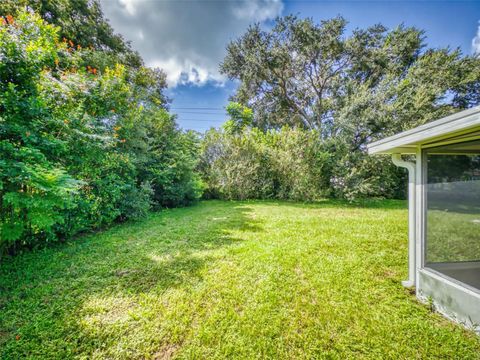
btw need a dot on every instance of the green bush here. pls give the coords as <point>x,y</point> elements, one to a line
<point>286,164</point>
<point>292,164</point>
<point>84,142</point>
<point>357,175</point>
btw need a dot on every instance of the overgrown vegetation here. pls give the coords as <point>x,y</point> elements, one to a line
<point>289,163</point>
<point>342,91</point>
<point>85,139</point>
<point>228,280</point>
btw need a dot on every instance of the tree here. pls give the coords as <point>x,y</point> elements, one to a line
<point>82,26</point>
<point>33,187</point>
<point>80,21</point>
<point>80,146</point>
<point>240,117</point>
<point>315,76</point>
<point>350,89</point>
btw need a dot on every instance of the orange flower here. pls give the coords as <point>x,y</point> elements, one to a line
<point>17,337</point>
<point>78,47</point>
<point>10,19</point>
<point>94,71</point>
<point>71,43</point>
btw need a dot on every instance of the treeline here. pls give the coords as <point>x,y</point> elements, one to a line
<point>86,138</point>
<point>240,161</point>
<point>85,134</point>
<point>318,97</point>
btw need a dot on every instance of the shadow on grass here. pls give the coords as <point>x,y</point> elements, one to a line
<point>42,292</point>
<point>335,203</point>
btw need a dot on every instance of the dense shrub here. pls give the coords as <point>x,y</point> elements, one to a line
<point>357,175</point>
<point>244,162</point>
<point>83,142</point>
<point>286,164</point>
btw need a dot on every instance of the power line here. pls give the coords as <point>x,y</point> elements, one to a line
<point>197,108</point>
<point>199,120</point>
<point>199,112</point>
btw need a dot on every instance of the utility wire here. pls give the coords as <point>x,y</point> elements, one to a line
<point>200,112</point>
<point>196,108</point>
<point>198,120</point>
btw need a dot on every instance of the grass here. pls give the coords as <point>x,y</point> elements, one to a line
<point>228,279</point>
<point>452,236</point>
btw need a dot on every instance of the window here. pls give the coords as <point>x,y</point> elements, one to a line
<point>453,211</point>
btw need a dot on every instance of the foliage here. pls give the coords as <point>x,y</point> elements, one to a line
<point>241,117</point>
<point>81,146</point>
<point>285,164</point>
<point>241,161</point>
<point>166,158</point>
<point>228,280</point>
<point>82,22</point>
<point>361,86</point>
<point>356,175</point>
<point>33,189</point>
<point>351,89</point>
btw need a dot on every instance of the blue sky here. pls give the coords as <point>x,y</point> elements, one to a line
<point>188,38</point>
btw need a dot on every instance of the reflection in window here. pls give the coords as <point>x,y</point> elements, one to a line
<point>453,211</point>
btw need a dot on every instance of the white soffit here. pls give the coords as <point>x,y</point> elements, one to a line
<point>456,125</point>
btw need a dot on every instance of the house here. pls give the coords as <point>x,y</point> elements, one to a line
<point>443,163</point>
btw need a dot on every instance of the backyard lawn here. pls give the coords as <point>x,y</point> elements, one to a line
<point>228,279</point>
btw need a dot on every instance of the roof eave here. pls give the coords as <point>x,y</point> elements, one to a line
<point>408,141</point>
<point>376,150</point>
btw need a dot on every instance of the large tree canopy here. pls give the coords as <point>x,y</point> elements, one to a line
<point>343,89</point>
<point>366,84</point>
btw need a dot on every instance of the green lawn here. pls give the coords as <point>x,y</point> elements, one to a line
<point>228,279</point>
<point>452,236</point>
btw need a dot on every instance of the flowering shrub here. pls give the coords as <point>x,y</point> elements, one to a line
<point>83,143</point>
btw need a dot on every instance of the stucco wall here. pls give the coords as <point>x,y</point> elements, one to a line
<point>455,301</point>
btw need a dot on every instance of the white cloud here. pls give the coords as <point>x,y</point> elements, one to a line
<point>129,6</point>
<point>476,42</point>
<point>186,38</point>
<point>258,10</point>
<point>181,71</point>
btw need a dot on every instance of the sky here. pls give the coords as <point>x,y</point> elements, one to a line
<point>188,38</point>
